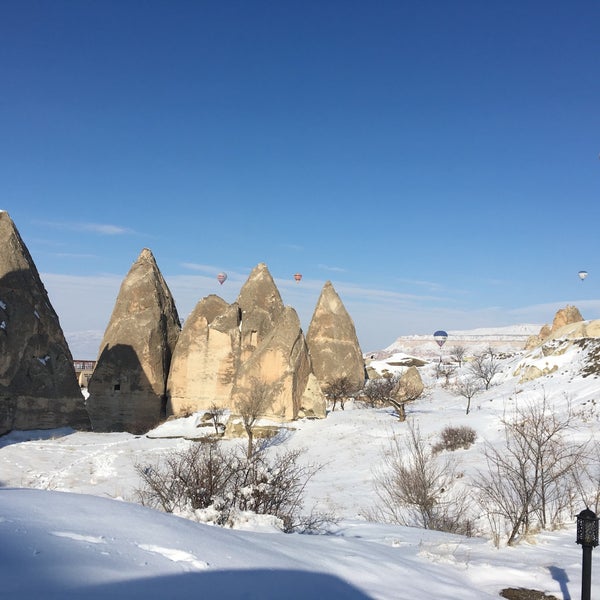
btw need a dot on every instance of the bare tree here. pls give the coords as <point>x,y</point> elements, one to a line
<point>458,352</point>
<point>407,391</point>
<point>379,392</point>
<point>414,487</point>
<point>253,403</point>
<point>483,367</point>
<point>216,413</point>
<point>467,388</point>
<point>339,390</point>
<point>530,480</point>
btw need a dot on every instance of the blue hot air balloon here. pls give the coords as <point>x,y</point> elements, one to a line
<point>440,336</point>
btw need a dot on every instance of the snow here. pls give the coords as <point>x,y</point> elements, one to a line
<point>71,527</point>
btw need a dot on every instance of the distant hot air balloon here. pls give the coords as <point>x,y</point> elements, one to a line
<point>222,277</point>
<point>582,275</point>
<point>440,337</point>
<point>298,277</point>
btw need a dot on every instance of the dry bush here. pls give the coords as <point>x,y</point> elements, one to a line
<point>206,476</point>
<point>453,438</point>
<point>415,488</point>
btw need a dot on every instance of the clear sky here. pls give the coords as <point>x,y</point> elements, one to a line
<point>437,161</point>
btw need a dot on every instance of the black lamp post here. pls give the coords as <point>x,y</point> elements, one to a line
<point>587,536</point>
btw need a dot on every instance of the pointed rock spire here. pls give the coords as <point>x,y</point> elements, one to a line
<point>332,341</point>
<point>38,386</point>
<point>128,386</point>
<point>261,305</point>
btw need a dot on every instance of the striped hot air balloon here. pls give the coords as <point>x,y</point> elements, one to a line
<point>221,278</point>
<point>298,277</point>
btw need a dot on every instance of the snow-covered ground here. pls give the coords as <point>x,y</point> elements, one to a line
<point>71,528</point>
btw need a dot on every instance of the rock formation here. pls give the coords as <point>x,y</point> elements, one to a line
<point>224,350</point>
<point>332,342</point>
<point>205,358</point>
<point>564,316</point>
<point>38,386</point>
<point>410,386</point>
<point>128,386</point>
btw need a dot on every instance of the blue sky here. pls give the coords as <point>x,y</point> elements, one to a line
<point>437,161</point>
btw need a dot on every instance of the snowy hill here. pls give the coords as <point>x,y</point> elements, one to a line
<point>71,527</point>
<point>502,339</point>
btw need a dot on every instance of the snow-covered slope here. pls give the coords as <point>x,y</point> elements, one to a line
<point>98,543</point>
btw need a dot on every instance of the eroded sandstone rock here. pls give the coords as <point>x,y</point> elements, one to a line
<point>332,341</point>
<point>128,386</point>
<point>38,386</point>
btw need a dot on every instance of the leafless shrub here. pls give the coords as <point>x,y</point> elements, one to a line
<point>192,477</point>
<point>531,480</point>
<point>453,438</point>
<point>204,476</point>
<point>415,488</point>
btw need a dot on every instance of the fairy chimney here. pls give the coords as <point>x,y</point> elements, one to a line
<point>225,349</point>
<point>281,361</point>
<point>38,385</point>
<point>205,358</point>
<point>332,341</point>
<point>128,386</point>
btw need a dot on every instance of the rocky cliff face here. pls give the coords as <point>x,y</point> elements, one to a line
<point>332,341</point>
<point>128,386</point>
<point>38,386</point>
<point>225,349</point>
<point>564,316</point>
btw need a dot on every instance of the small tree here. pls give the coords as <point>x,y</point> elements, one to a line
<point>458,352</point>
<point>380,391</point>
<point>414,487</point>
<point>339,390</point>
<point>216,413</point>
<point>467,388</point>
<point>252,403</point>
<point>531,480</point>
<point>483,367</point>
<point>406,392</point>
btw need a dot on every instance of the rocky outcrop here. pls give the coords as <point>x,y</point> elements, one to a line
<point>206,358</point>
<point>564,316</point>
<point>410,386</point>
<point>281,360</point>
<point>546,357</point>
<point>224,350</point>
<point>128,387</point>
<point>332,341</point>
<point>38,386</point>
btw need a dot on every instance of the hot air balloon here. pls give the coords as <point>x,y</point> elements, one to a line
<point>582,275</point>
<point>221,278</point>
<point>298,277</point>
<point>440,337</point>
